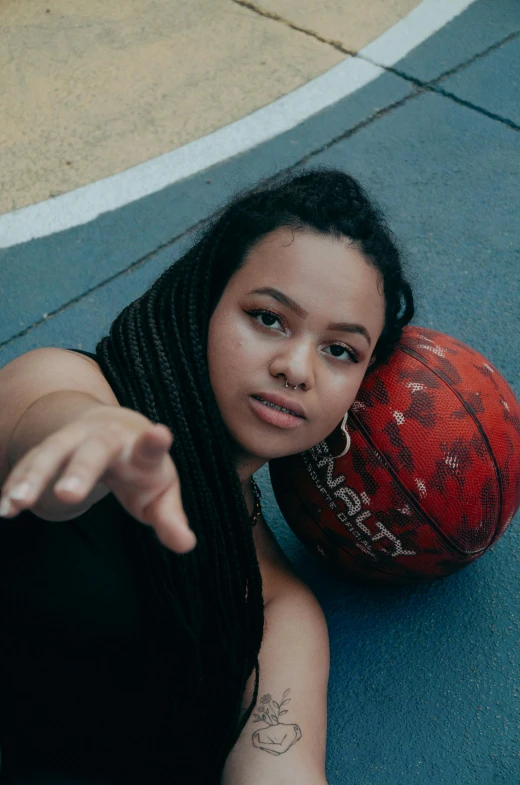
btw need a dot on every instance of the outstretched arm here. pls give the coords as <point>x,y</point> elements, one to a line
<point>284,740</point>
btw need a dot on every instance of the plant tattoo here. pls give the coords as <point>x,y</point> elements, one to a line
<point>276,737</point>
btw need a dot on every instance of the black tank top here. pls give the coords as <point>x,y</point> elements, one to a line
<point>88,664</point>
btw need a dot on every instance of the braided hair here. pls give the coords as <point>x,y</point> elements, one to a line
<point>155,359</point>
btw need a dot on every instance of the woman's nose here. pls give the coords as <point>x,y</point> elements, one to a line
<point>296,364</point>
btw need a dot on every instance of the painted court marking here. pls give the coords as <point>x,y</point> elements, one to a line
<point>86,203</point>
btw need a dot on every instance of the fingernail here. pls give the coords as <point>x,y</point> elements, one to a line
<point>69,484</point>
<point>5,506</point>
<point>126,453</point>
<point>19,491</point>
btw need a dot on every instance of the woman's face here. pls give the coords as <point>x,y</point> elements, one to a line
<point>257,341</point>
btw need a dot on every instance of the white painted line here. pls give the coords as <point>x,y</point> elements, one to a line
<point>88,202</point>
<point>422,22</point>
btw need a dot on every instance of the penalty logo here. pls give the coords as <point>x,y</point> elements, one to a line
<point>372,536</point>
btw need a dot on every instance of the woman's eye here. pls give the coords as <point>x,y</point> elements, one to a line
<point>269,316</point>
<point>342,353</point>
<point>264,315</point>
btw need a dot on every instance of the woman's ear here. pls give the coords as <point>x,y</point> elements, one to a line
<point>372,361</point>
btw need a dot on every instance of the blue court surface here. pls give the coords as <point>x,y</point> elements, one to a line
<point>425,681</point>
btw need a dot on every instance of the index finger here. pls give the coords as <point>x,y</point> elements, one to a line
<point>167,517</point>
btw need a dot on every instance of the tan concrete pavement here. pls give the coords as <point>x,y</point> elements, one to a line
<point>89,89</point>
<point>346,22</point>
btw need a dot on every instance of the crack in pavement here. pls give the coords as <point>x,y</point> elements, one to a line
<point>305,30</point>
<point>131,267</point>
<point>429,86</point>
<point>433,85</point>
<point>478,56</point>
<point>479,109</point>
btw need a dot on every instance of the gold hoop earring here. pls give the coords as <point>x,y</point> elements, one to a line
<point>347,437</point>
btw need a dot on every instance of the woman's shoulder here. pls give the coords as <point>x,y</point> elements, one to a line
<point>91,359</point>
<point>91,355</point>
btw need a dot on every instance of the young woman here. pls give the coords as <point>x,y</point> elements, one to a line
<point>137,653</point>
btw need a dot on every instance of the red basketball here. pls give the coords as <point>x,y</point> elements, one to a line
<point>432,477</point>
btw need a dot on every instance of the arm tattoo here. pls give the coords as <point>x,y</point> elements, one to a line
<point>277,736</point>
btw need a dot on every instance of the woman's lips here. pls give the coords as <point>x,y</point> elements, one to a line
<point>274,416</point>
<point>285,402</point>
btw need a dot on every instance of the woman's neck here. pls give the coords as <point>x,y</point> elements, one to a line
<point>245,470</point>
<point>249,496</point>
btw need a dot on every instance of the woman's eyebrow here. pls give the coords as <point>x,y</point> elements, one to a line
<point>344,327</point>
